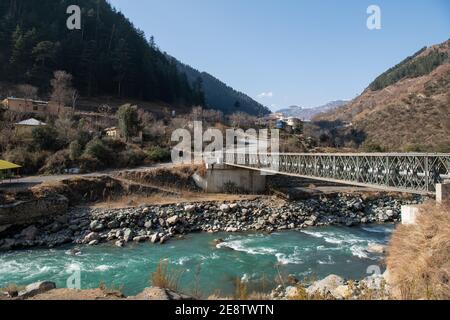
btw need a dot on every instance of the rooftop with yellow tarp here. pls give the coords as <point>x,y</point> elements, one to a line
<point>5,165</point>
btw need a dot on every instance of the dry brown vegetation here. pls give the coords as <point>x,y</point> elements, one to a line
<point>179,176</point>
<point>419,256</point>
<point>409,115</point>
<point>93,189</point>
<point>166,277</point>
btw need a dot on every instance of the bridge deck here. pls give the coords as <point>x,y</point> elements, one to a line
<point>403,172</point>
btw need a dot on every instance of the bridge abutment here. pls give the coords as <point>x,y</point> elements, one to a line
<point>409,214</point>
<point>443,192</point>
<point>221,178</point>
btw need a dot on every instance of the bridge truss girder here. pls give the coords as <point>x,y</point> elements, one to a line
<point>414,173</point>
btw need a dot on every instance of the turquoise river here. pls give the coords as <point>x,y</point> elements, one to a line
<point>256,258</point>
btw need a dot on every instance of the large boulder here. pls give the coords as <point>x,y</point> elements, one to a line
<point>159,294</point>
<point>325,286</point>
<point>376,248</point>
<point>374,282</point>
<point>342,292</point>
<point>36,288</point>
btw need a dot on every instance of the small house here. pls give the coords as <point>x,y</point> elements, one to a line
<point>24,129</point>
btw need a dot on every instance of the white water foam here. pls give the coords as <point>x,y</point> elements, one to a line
<point>242,246</point>
<point>329,261</point>
<point>359,252</point>
<point>378,229</point>
<point>104,268</point>
<point>285,259</point>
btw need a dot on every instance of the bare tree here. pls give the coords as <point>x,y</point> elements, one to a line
<point>62,90</point>
<point>197,114</point>
<point>242,120</point>
<point>213,116</point>
<point>74,98</point>
<point>27,91</point>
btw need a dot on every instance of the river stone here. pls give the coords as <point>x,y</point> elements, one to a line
<point>326,285</point>
<point>376,248</point>
<point>189,208</point>
<point>93,243</point>
<point>30,233</point>
<point>113,224</point>
<point>159,295</point>
<point>224,208</point>
<point>96,226</point>
<point>5,227</point>
<point>127,234</point>
<point>148,224</point>
<point>36,288</point>
<point>163,239</point>
<point>7,244</point>
<point>172,220</point>
<point>154,238</point>
<point>120,243</point>
<point>139,239</point>
<point>91,237</point>
<point>342,292</point>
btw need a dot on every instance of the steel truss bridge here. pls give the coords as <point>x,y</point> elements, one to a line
<point>412,173</point>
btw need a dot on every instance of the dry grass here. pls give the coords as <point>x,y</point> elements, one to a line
<point>165,199</point>
<point>166,278</point>
<point>419,256</point>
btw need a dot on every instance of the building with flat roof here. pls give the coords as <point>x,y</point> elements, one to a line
<point>23,105</point>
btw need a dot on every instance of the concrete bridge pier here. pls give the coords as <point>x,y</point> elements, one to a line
<point>443,191</point>
<point>410,213</point>
<point>220,177</point>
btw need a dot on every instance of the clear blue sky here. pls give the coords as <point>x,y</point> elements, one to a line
<point>290,52</point>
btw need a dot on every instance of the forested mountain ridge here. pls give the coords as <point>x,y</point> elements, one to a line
<point>406,108</point>
<point>108,56</point>
<point>220,96</point>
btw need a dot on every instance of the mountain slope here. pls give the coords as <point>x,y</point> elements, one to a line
<point>309,113</point>
<point>408,107</point>
<point>108,56</point>
<point>220,96</point>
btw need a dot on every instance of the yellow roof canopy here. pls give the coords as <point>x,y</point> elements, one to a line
<point>5,165</point>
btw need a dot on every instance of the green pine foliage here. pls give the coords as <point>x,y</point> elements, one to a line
<point>219,96</point>
<point>411,67</point>
<point>108,56</point>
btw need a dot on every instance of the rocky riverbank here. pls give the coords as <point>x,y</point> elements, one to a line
<point>159,223</point>
<point>332,287</point>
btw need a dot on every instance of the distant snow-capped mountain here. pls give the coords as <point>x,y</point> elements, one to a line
<point>309,113</point>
